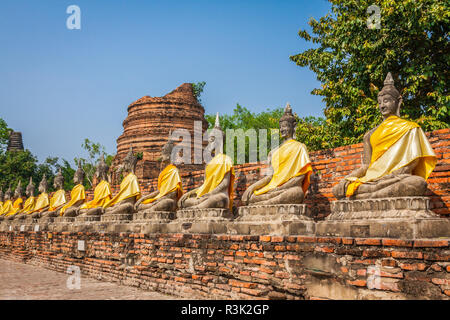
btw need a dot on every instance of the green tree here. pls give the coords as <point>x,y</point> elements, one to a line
<point>4,135</point>
<point>351,61</point>
<point>15,166</point>
<point>242,118</point>
<point>198,89</point>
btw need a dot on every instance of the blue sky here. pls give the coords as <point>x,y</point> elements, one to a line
<point>59,86</point>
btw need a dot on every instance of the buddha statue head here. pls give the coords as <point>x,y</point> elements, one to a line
<point>389,99</point>
<point>1,195</point>
<point>8,194</point>
<point>102,168</point>
<point>18,192</point>
<point>78,177</point>
<point>216,138</point>
<point>30,188</point>
<point>166,152</point>
<point>287,123</point>
<point>43,185</point>
<point>58,181</point>
<point>129,162</point>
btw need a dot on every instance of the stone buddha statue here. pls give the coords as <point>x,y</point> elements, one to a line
<point>397,158</point>
<point>129,193</point>
<point>7,204</point>
<point>29,203</point>
<point>77,195</point>
<point>102,192</point>
<point>18,203</point>
<point>58,199</point>
<point>1,200</point>
<point>42,202</point>
<point>290,170</point>
<point>217,188</point>
<point>169,186</point>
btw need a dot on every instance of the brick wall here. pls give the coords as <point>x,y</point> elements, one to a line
<point>330,166</point>
<point>246,267</point>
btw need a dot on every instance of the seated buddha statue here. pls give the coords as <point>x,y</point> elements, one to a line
<point>217,188</point>
<point>77,195</point>
<point>102,192</point>
<point>29,204</point>
<point>1,200</point>
<point>123,202</point>
<point>289,171</point>
<point>397,158</point>
<point>17,204</point>
<point>7,204</point>
<point>169,186</point>
<point>42,202</point>
<point>58,199</point>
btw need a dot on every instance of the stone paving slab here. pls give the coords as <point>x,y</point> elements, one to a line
<point>27,282</point>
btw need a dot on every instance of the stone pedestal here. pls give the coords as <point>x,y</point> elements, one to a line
<point>402,218</point>
<point>214,221</point>
<point>122,218</point>
<point>87,219</point>
<point>152,221</point>
<point>283,219</point>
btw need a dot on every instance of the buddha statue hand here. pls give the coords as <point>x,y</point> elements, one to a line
<point>186,196</point>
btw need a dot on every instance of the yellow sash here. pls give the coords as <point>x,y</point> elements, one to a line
<point>17,206</point>
<point>57,200</point>
<point>76,195</point>
<point>102,194</point>
<point>1,207</point>
<point>29,205</point>
<point>290,160</point>
<point>41,203</point>
<point>7,206</point>
<point>168,181</point>
<point>215,171</point>
<point>395,144</point>
<point>129,187</point>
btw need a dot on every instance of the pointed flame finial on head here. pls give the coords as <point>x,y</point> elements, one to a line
<point>217,122</point>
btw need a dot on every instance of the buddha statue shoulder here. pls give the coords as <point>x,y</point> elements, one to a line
<point>42,201</point>
<point>123,202</point>
<point>169,185</point>
<point>102,192</point>
<point>58,199</point>
<point>217,188</point>
<point>77,195</point>
<point>289,170</point>
<point>397,156</point>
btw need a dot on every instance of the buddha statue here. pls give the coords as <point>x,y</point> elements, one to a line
<point>77,195</point>
<point>217,188</point>
<point>1,200</point>
<point>123,202</point>
<point>102,192</point>
<point>397,157</point>
<point>42,202</point>
<point>58,199</point>
<point>29,203</point>
<point>169,186</point>
<point>7,204</point>
<point>289,171</point>
<point>18,203</point>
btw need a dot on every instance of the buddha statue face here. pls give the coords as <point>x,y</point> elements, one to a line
<point>58,182</point>
<point>102,169</point>
<point>78,177</point>
<point>389,99</point>
<point>30,189</point>
<point>43,185</point>
<point>8,194</point>
<point>129,162</point>
<point>166,152</point>
<point>287,123</point>
<point>18,191</point>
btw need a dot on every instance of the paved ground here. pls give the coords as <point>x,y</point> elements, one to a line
<point>26,282</point>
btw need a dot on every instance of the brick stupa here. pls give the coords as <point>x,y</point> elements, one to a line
<point>147,127</point>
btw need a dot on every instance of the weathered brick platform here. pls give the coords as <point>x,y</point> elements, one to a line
<point>245,267</point>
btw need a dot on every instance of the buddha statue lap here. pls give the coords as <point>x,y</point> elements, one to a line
<point>397,158</point>
<point>169,186</point>
<point>217,189</point>
<point>290,170</point>
<point>102,192</point>
<point>129,193</point>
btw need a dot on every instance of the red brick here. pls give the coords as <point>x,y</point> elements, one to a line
<point>397,243</point>
<point>441,281</point>
<point>358,283</point>
<point>277,239</point>
<point>430,243</point>
<point>407,254</point>
<point>347,241</point>
<point>264,238</point>
<point>306,239</point>
<point>368,242</point>
<point>413,266</point>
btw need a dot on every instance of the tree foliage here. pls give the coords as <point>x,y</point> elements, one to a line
<point>351,61</point>
<point>242,118</point>
<point>4,135</point>
<point>198,89</point>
